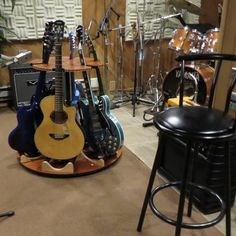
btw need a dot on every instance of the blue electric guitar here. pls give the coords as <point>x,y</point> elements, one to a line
<point>58,136</point>
<point>101,140</point>
<point>114,124</point>
<point>29,117</point>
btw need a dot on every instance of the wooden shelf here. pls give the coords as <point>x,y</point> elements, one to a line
<point>67,64</point>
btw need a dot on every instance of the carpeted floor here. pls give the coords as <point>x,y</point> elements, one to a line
<point>105,203</point>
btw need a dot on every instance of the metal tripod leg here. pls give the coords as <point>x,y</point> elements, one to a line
<point>7,214</point>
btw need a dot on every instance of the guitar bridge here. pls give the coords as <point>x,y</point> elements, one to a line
<point>58,136</point>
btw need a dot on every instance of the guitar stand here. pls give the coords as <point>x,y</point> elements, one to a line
<point>78,166</point>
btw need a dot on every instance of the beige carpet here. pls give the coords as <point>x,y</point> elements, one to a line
<point>105,203</point>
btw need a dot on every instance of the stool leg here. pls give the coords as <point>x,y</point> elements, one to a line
<point>183,190</point>
<point>191,178</point>
<point>159,155</point>
<point>228,189</point>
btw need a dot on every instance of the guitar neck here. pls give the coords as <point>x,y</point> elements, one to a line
<point>58,78</point>
<point>47,48</point>
<point>100,83</point>
<point>95,58</point>
<point>86,78</point>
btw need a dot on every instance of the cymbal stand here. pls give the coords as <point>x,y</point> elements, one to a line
<point>138,66</point>
<point>120,76</point>
<point>157,77</point>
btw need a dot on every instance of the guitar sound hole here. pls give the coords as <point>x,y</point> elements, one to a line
<point>59,117</point>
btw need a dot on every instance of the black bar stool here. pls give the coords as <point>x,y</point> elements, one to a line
<point>194,125</point>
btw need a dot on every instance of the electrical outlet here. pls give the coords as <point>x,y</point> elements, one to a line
<point>112,86</point>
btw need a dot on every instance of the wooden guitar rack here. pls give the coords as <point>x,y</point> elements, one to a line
<point>81,165</point>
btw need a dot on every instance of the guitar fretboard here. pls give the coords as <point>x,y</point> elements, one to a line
<point>86,77</point>
<point>93,52</point>
<point>58,79</point>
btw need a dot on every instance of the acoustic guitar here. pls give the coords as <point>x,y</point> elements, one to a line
<point>58,136</point>
<point>29,117</point>
<point>100,140</point>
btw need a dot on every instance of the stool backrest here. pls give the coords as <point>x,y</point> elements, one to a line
<point>218,58</point>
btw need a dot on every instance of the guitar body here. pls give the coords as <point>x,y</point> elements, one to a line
<point>114,125</point>
<point>58,140</point>
<point>102,131</point>
<point>21,138</point>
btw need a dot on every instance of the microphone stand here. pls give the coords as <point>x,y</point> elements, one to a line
<point>119,95</point>
<point>138,66</point>
<point>104,30</point>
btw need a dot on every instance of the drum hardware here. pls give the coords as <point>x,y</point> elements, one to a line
<point>157,103</point>
<point>190,7</point>
<point>159,19</point>
<point>220,9</point>
<point>138,49</point>
<point>156,79</point>
<point>159,99</point>
<point>120,96</point>
<point>186,40</point>
<point>138,63</point>
<point>195,94</point>
<point>104,25</point>
<point>210,41</point>
<point>198,79</point>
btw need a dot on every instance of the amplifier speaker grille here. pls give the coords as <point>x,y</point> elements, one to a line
<point>23,79</point>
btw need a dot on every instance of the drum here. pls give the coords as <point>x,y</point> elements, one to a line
<point>210,41</point>
<point>178,38</point>
<point>192,42</point>
<point>198,80</point>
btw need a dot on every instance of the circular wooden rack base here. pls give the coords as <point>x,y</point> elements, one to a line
<point>81,165</point>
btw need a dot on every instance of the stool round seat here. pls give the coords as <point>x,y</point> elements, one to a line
<point>195,123</point>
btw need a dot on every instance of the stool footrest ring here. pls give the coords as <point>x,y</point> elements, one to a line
<point>187,225</point>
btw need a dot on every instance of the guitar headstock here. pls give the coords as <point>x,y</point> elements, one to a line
<point>84,38</point>
<point>59,30</point>
<point>48,41</point>
<point>90,45</point>
<point>72,44</point>
<point>80,33</point>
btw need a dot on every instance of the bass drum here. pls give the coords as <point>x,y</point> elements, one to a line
<point>198,80</point>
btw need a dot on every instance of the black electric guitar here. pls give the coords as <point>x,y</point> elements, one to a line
<point>105,104</point>
<point>58,136</point>
<point>29,117</point>
<point>69,75</point>
<point>94,119</point>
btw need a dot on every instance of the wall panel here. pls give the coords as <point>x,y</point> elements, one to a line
<point>28,17</point>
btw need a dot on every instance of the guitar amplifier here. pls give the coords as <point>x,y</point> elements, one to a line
<point>23,79</point>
